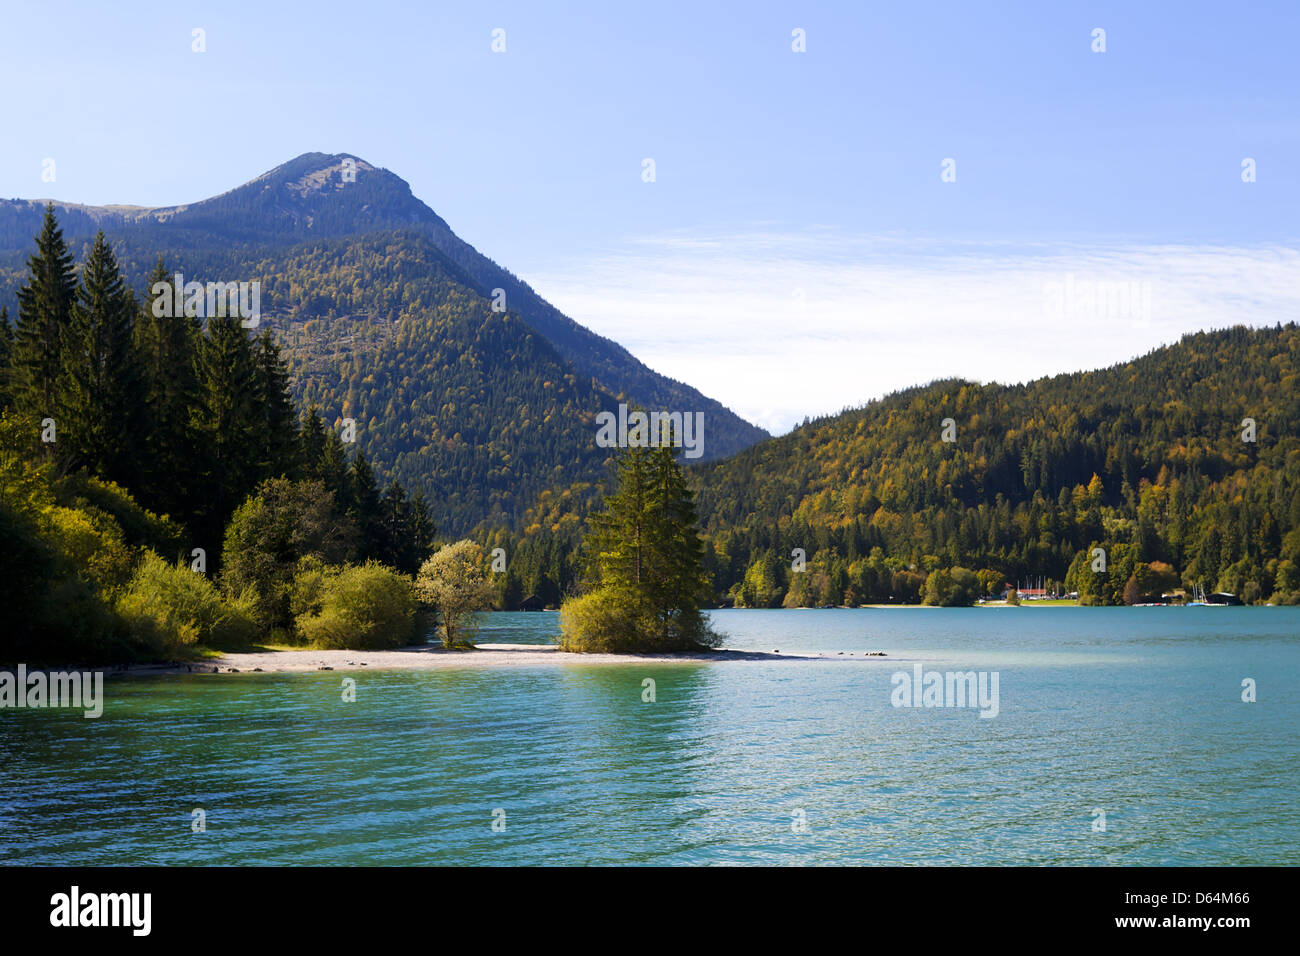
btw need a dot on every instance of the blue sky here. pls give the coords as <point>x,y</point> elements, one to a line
<point>798,251</point>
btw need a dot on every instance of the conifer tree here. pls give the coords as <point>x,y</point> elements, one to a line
<point>646,561</point>
<point>277,417</point>
<point>168,346</point>
<point>618,545</point>
<point>365,507</point>
<point>332,468</point>
<point>98,397</point>
<point>226,423</point>
<point>311,443</point>
<point>44,307</point>
<point>423,530</point>
<point>395,529</point>
<point>677,583</point>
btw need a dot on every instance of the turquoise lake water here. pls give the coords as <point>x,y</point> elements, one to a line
<point>1137,712</point>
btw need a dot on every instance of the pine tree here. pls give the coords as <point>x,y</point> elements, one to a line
<point>226,424</point>
<point>423,530</point>
<point>98,397</point>
<point>168,346</point>
<point>365,507</point>
<point>647,562</point>
<point>44,308</point>
<point>277,417</point>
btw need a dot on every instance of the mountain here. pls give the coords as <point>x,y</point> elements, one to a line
<point>1146,459</point>
<point>386,316</point>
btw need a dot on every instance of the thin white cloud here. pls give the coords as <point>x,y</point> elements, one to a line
<point>778,326</point>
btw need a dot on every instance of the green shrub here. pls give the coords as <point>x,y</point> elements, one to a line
<point>171,608</point>
<point>595,623</point>
<point>140,527</point>
<point>606,621</point>
<point>310,578</point>
<point>358,607</point>
<point>94,545</point>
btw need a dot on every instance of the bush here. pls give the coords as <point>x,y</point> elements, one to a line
<point>140,527</point>
<point>92,541</point>
<point>600,623</point>
<point>357,607</point>
<point>171,608</point>
<point>607,621</point>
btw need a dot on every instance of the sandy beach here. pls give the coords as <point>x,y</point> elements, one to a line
<point>433,657</point>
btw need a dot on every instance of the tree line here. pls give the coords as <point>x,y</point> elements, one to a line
<point>127,434</point>
<point>1182,466</point>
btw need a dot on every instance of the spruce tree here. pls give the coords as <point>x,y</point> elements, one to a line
<point>44,307</point>
<point>395,529</point>
<point>332,468</point>
<point>646,560</point>
<point>226,424</point>
<point>278,442</point>
<point>98,397</point>
<point>617,546</point>
<point>168,346</point>
<point>677,583</point>
<point>311,443</point>
<point>365,507</point>
<point>423,530</point>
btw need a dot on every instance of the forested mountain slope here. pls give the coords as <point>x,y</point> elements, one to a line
<point>1148,456</point>
<point>387,318</point>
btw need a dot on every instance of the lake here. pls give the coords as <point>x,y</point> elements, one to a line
<point>1134,713</point>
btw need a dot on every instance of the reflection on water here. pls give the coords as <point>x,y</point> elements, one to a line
<point>1134,711</point>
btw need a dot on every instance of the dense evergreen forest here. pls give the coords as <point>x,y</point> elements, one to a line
<point>452,397</point>
<point>159,489</point>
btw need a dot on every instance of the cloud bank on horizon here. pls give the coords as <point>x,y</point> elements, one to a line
<point>781,326</point>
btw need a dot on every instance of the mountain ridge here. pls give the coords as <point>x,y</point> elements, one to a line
<point>341,265</point>
<point>378,200</point>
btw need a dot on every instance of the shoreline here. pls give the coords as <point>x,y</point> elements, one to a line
<point>436,657</point>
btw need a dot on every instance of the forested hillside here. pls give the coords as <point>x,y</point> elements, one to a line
<point>477,408</point>
<point>1145,460</point>
<point>471,405</point>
